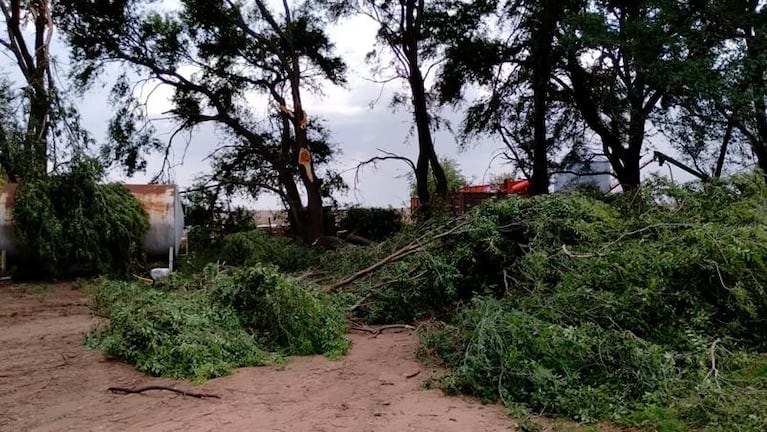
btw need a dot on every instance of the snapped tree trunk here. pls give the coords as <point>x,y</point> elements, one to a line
<point>314,228</point>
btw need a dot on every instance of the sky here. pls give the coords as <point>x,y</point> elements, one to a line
<point>357,128</point>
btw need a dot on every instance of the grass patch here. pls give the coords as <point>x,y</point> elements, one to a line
<point>36,289</point>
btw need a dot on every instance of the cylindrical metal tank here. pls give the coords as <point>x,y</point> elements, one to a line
<point>162,202</point>
<point>596,171</point>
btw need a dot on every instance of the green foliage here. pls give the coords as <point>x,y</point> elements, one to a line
<point>256,247</point>
<point>453,175</point>
<point>593,309</point>
<point>172,334</point>
<point>286,314</point>
<point>646,314</point>
<point>372,223</point>
<point>205,325</point>
<point>70,223</point>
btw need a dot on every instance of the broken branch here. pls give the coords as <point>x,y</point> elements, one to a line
<point>123,390</point>
<point>406,251</point>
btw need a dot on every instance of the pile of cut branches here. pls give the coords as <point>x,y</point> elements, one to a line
<point>647,310</point>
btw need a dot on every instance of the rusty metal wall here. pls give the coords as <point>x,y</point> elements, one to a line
<point>162,203</point>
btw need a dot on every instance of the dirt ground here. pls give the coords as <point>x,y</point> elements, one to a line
<point>49,382</point>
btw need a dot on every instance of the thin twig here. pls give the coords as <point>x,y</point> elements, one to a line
<point>714,372</point>
<point>721,279</point>
<point>413,375</point>
<point>605,249</point>
<point>123,390</point>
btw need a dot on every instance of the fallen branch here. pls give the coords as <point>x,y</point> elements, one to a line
<point>605,249</point>
<point>360,303</point>
<point>410,249</point>
<point>401,253</point>
<point>355,239</point>
<point>379,330</point>
<point>413,375</point>
<point>143,279</point>
<point>374,289</point>
<point>123,390</point>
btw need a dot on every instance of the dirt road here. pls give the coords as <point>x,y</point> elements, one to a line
<point>49,382</point>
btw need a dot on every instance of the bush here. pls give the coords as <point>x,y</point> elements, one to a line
<point>256,247</point>
<point>69,223</point>
<point>372,223</point>
<point>204,326</point>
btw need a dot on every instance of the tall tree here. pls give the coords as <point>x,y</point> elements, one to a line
<point>740,94</point>
<point>37,117</point>
<point>622,59</point>
<point>514,59</point>
<point>405,30</point>
<point>545,17</point>
<point>235,50</point>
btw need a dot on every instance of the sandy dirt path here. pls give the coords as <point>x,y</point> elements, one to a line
<point>49,382</point>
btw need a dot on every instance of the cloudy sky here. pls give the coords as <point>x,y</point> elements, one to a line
<point>356,127</point>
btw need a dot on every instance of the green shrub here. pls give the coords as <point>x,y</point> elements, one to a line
<point>203,326</point>
<point>69,223</point>
<point>372,223</point>
<point>256,247</point>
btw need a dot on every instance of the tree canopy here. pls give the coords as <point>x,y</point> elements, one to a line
<point>553,81</point>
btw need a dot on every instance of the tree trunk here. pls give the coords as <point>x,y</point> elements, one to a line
<point>422,178</point>
<point>723,150</point>
<point>292,200</point>
<point>756,44</point>
<point>315,227</point>
<point>37,126</point>
<point>426,153</point>
<point>541,53</point>
<point>34,65</point>
<point>630,176</point>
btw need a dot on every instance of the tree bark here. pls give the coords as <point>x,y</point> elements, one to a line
<point>541,53</point>
<point>427,156</point>
<point>313,185</point>
<point>723,150</point>
<point>35,68</point>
